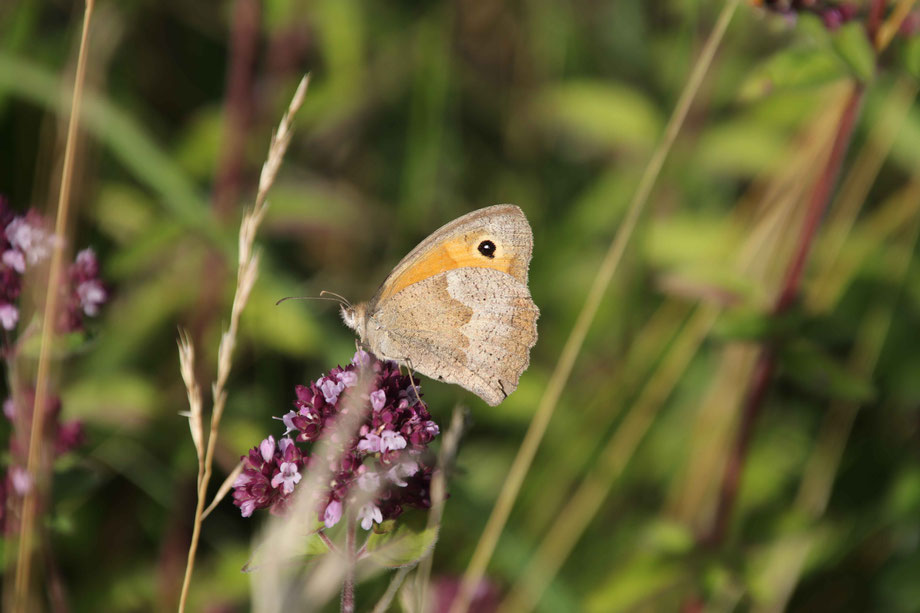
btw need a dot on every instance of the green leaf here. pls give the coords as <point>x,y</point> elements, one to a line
<point>402,546</point>
<point>312,547</point>
<point>851,43</point>
<point>282,328</point>
<point>124,212</point>
<point>912,56</point>
<point>200,147</point>
<point>601,114</point>
<point>794,67</point>
<point>643,579</point>
<point>740,147</point>
<point>903,499</point>
<point>807,364</point>
<point>315,546</point>
<point>681,239</point>
<point>667,537</point>
<point>745,324</point>
<point>813,29</point>
<point>63,345</point>
<point>121,398</point>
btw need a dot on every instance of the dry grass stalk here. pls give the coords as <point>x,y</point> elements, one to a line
<point>768,222</point>
<point>449,446</point>
<point>887,31</point>
<point>247,273</point>
<point>49,317</point>
<point>194,414</point>
<point>223,489</point>
<point>519,469</point>
<point>787,558</point>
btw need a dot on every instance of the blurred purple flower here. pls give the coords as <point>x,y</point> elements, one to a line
<point>9,316</point>
<point>21,480</point>
<point>28,239</point>
<point>25,242</point>
<point>86,294</point>
<point>911,24</point>
<point>833,14</point>
<point>486,596</point>
<point>70,435</point>
<point>65,436</point>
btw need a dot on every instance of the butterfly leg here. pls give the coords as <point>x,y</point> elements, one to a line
<point>409,369</point>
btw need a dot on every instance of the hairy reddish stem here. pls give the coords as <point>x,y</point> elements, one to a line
<point>348,584</point>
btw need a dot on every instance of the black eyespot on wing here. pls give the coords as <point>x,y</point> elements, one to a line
<point>487,248</point>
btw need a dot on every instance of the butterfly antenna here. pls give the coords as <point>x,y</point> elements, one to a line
<point>340,298</point>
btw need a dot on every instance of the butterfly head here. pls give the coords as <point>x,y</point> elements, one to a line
<point>354,317</point>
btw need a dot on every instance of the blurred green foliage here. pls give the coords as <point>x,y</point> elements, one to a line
<point>417,113</point>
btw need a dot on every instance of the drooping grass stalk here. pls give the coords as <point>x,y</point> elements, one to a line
<point>774,206</point>
<point>560,376</point>
<point>766,362</point>
<point>584,504</point>
<point>446,455</point>
<point>775,195</point>
<point>224,489</point>
<point>821,195</point>
<point>599,413</point>
<point>854,190</point>
<point>21,602</point>
<point>817,479</point>
<point>247,272</point>
<point>449,445</point>
<point>787,560</point>
<point>886,31</point>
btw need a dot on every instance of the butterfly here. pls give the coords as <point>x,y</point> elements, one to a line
<point>457,308</point>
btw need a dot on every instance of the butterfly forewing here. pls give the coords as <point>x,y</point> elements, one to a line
<point>457,308</point>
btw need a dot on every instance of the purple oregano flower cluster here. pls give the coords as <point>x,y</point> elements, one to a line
<point>388,455</point>
<point>62,436</point>
<point>833,14</point>
<point>25,242</point>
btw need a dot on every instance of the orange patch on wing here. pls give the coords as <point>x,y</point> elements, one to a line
<point>451,255</point>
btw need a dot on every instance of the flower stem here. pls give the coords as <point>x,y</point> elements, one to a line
<point>348,584</point>
<point>766,362</point>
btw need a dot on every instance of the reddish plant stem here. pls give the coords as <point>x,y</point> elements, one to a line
<point>238,107</point>
<point>693,605</point>
<point>328,542</point>
<point>243,44</point>
<point>766,361</point>
<point>876,12</point>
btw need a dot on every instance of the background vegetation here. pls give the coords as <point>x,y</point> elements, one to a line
<point>417,113</point>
